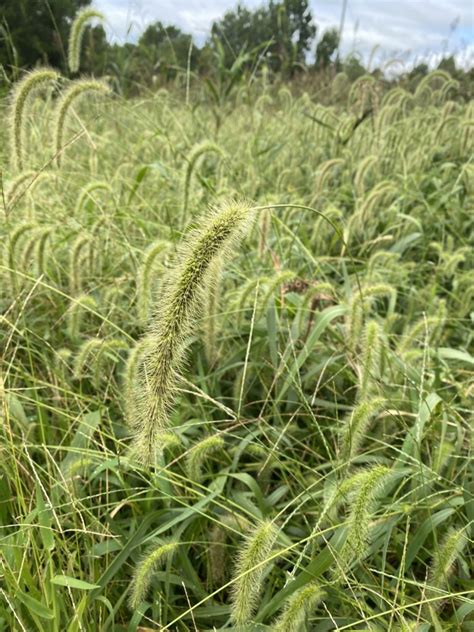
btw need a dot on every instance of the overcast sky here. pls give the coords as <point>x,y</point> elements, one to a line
<point>400,28</point>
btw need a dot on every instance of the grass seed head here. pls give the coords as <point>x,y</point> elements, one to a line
<point>77,33</point>
<point>175,317</point>
<point>249,570</point>
<point>22,93</point>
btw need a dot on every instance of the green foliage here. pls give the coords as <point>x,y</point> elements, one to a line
<point>36,31</point>
<point>326,47</point>
<point>271,40</point>
<point>167,50</point>
<point>284,29</point>
<point>314,460</point>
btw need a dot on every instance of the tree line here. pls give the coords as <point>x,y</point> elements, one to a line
<point>280,37</point>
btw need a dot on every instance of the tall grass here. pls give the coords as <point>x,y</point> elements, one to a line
<point>302,397</point>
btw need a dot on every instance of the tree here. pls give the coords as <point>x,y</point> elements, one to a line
<point>448,64</point>
<point>284,30</point>
<point>296,30</point>
<point>326,48</point>
<point>353,67</point>
<point>419,71</point>
<point>97,52</point>
<point>35,31</point>
<point>241,30</point>
<point>167,48</point>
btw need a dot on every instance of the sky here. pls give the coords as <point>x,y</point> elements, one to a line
<point>407,30</point>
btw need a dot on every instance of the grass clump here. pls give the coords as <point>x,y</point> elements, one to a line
<point>313,378</point>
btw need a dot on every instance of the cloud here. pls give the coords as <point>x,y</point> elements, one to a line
<point>405,29</point>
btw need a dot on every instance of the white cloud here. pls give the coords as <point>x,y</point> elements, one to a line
<point>198,22</point>
<point>407,28</point>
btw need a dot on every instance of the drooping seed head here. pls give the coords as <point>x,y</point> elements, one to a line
<point>298,607</point>
<point>153,559</point>
<point>364,488</point>
<point>249,570</point>
<point>199,453</point>
<point>195,154</point>
<point>445,556</point>
<point>76,34</point>
<point>74,91</point>
<point>176,317</point>
<point>356,426</point>
<point>22,93</point>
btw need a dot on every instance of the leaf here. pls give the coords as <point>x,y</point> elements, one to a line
<point>45,518</point>
<point>88,425</point>
<point>76,625</point>
<point>415,434</point>
<point>35,606</point>
<point>446,353</point>
<point>254,487</point>
<point>212,89</point>
<point>405,242</point>
<point>461,613</point>
<point>105,548</point>
<point>72,582</point>
<point>422,532</point>
<point>138,178</point>
<point>16,409</point>
<point>323,320</point>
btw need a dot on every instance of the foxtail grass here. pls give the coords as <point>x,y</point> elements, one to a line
<point>22,93</point>
<point>152,560</point>
<point>175,318</point>
<point>363,488</point>
<point>76,35</point>
<point>298,607</point>
<point>73,92</point>
<point>249,571</point>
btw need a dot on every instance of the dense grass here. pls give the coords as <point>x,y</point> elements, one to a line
<point>317,471</point>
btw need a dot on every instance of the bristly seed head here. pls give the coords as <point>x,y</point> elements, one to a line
<point>175,318</point>
<point>23,90</point>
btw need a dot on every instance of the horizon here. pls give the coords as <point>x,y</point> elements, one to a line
<point>410,32</point>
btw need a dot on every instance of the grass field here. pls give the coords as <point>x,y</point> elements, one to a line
<point>311,467</point>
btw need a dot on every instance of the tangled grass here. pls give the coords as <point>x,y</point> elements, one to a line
<point>315,468</point>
